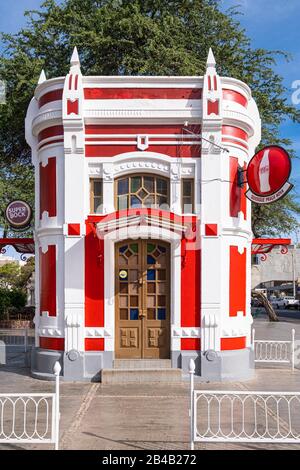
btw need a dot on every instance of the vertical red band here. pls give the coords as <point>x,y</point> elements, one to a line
<point>190,286</point>
<point>237,281</point>
<point>48,281</point>
<point>94,279</point>
<point>48,188</point>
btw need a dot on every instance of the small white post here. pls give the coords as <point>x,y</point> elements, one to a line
<point>56,370</point>
<point>26,339</point>
<point>192,368</point>
<point>293,349</point>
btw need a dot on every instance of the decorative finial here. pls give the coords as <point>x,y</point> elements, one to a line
<point>211,61</point>
<point>75,58</point>
<point>42,78</point>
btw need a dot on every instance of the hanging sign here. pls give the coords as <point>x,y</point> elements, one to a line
<point>18,214</point>
<point>267,175</point>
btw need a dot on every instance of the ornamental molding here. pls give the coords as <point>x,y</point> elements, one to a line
<point>239,119</point>
<point>46,119</point>
<point>140,81</point>
<point>146,164</point>
<point>186,332</point>
<point>175,113</point>
<point>49,85</point>
<point>95,169</point>
<point>98,332</point>
<point>229,83</point>
<point>50,332</point>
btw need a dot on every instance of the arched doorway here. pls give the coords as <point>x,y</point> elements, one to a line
<point>142,299</point>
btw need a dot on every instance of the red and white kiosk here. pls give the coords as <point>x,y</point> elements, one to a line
<point>143,230</point>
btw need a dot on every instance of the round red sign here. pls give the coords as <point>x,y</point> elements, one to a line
<point>267,175</point>
<point>18,214</point>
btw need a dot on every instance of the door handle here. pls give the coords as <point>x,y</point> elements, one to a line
<point>143,314</point>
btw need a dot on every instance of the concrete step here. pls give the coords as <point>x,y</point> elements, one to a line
<point>142,364</point>
<point>126,376</point>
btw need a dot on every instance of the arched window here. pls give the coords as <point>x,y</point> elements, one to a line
<point>142,191</point>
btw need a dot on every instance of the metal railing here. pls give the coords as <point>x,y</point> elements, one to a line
<point>274,351</point>
<point>243,416</point>
<point>31,418</point>
<point>17,337</point>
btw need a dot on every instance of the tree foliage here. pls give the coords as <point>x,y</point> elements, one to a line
<point>145,37</point>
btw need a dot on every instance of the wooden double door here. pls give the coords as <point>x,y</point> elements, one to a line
<point>142,322</point>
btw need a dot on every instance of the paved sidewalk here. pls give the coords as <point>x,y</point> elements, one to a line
<point>147,416</point>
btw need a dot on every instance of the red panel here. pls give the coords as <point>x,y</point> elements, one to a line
<point>229,344</point>
<point>235,132</point>
<point>73,229</point>
<point>51,132</point>
<point>177,151</point>
<point>54,95</point>
<point>232,95</point>
<point>142,93</point>
<point>48,281</point>
<point>212,107</point>
<point>48,188</point>
<point>211,230</point>
<point>94,344</point>
<point>140,129</point>
<point>237,281</point>
<point>94,279</point>
<point>190,344</point>
<point>72,106</point>
<point>190,287</point>
<point>57,344</point>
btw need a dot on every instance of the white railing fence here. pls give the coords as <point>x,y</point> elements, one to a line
<point>31,418</point>
<point>17,337</point>
<point>243,417</point>
<point>274,351</point>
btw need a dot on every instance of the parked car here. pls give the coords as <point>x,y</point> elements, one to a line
<point>285,302</point>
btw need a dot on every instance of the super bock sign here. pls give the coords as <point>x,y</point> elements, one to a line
<point>267,175</point>
<point>18,214</point>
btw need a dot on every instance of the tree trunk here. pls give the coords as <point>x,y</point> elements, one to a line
<point>267,305</point>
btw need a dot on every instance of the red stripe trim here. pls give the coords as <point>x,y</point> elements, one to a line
<point>50,132</point>
<point>235,96</point>
<point>55,95</point>
<point>70,81</point>
<point>230,344</point>
<point>57,344</point>
<point>141,129</point>
<point>142,93</point>
<point>176,151</point>
<point>235,132</point>
<point>58,141</point>
<point>76,82</point>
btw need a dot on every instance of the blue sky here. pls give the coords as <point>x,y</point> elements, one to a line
<point>270,24</point>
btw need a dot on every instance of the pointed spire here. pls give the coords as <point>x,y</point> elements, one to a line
<point>75,58</point>
<point>211,61</point>
<point>42,78</point>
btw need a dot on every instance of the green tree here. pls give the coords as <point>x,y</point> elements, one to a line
<point>148,37</point>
